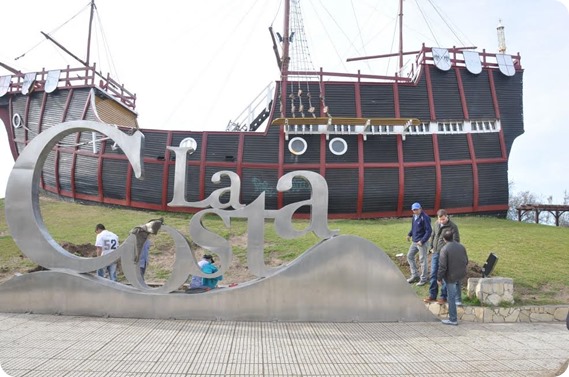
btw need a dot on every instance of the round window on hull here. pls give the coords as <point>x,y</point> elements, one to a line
<point>338,146</point>
<point>16,121</point>
<point>297,146</point>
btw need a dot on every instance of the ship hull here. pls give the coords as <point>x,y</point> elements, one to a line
<point>378,175</point>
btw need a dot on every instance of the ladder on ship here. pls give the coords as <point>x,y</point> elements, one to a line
<point>256,113</point>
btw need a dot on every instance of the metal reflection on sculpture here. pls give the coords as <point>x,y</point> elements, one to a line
<point>22,196</point>
<point>256,214</point>
<point>30,234</point>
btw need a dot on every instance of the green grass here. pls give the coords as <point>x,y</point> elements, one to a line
<point>535,256</point>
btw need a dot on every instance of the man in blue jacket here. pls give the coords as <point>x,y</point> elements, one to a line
<point>419,235</point>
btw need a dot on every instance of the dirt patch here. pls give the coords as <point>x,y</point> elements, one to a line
<point>473,270</point>
<point>85,250</point>
<point>161,262</point>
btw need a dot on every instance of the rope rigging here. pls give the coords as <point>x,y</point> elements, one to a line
<point>53,31</point>
<point>301,60</point>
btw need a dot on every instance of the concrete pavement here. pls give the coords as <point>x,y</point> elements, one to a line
<point>48,345</point>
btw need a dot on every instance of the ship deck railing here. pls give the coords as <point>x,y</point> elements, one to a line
<point>488,59</point>
<point>382,126</point>
<point>76,77</point>
<point>424,56</point>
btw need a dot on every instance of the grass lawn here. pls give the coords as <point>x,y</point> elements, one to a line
<point>535,256</point>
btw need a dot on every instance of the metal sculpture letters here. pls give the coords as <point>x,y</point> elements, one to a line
<point>342,278</point>
<point>24,217</point>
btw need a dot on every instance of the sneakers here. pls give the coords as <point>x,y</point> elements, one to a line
<point>421,283</point>
<point>413,279</point>
<point>429,299</point>
<point>459,303</point>
<point>449,322</point>
<point>442,301</point>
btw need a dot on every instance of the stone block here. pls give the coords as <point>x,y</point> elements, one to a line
<point>504,312</point>
<point>498,319</point>
<point>493,299</point>
<point>560,314</point>
<point>469,318</point>
<point>434,308</point>
<point>508,297</point>
<point>491,291</point>
<point>513,316</point>
<point>524,316</point>
<point>479,313</point>
<point>540,317</point>
<point>498,288</point>
<point>471,287</point>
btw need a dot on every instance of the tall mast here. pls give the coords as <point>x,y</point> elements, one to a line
<point>286,57</point>
<point>400,35</point>
<point>90,29</point>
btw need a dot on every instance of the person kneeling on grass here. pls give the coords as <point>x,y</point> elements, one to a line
<point>207,266</point>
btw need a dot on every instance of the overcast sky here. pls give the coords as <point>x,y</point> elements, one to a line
<point>196,65</point>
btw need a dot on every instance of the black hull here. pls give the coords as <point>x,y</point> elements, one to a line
<point>378,176</point>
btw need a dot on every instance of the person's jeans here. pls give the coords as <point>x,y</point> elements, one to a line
<point>451,301</point>
<point>434,286</point>
<point>458,293</point>
<point>112,269</point>
<point>422,250</point>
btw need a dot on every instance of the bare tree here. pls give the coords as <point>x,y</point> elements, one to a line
<point>526,197</point>
<point>564,219</point>
<point>520,198</point>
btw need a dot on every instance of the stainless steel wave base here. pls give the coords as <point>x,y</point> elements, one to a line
<point>343,279</point>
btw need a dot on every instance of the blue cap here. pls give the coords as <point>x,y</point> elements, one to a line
<point>416,206</point>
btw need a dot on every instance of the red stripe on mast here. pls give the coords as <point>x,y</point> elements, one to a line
<point>400,159</point>
<point>430,91</point>
<point>438,173</point>
<point>493,92</point>
<point>475,188</point>
<point>461,92</point>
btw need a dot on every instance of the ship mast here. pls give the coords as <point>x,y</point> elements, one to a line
<point>86,61</point>
<point>400,35</point>
<point>286,58</point>
<point>90,30</point>
<point>400,53</point>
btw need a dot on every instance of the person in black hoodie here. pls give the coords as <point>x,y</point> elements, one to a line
<point>452,268</point>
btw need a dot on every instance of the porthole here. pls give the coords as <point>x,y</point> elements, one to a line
<point>338,146</point>
<point>297,146</point>
<point>16,121</point>
<point>189,142</point>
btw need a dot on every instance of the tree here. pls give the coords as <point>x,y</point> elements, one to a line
<point>520,198</point>
<point>564,219</point>
<point>526,197</point>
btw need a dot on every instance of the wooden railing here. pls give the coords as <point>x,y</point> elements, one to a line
<point>555,209</point>
<point>78,77</point>
<point>423,56</point>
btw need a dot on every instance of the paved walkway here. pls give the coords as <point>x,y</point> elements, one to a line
<point>47,345</point>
